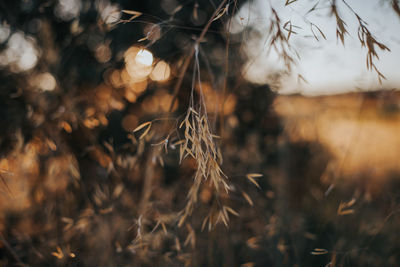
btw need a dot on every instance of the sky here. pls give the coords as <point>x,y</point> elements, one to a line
<point>327,66</point>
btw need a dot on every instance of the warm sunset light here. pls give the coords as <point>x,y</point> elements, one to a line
<point>161,72</point>
<point>144,57</point>
<point>138,63</point>
<point>200,133</point>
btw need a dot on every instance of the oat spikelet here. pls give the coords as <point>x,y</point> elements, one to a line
<point>200,145</point>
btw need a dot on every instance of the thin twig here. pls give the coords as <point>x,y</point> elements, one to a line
<point>190,56</point>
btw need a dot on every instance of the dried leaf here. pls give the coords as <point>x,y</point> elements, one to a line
<point>181,221</point>
<point>248,199</point>
<point>141,126</point>
<point>222,12</point>
<point>134,13</point>
<point>313,8</point>
<point>177,244</point>
<point>164,228</point>
<point>346,212</point>
<point>195,13</point>
<point>66,126</point>
<point>223,218</point>
<point>231,211</point>
<point>315,36</point>
<point>191,237</point>
<point>131,12</point>
<point>396,8</point>
<point>301,78</point>
<point>288,2</point>
<point>145,132</point>
<point>51,144</point>
<point>177,9</point>
<point>290,29</point>
<point>251,177</point>
<point>319,251</point>
<point>254,175</point>
<point>58,254</point>
<point>323,35</point>
<point>204,223</point>
<point>343,208</point>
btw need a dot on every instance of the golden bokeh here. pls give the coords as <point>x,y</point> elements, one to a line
<point>214,100</point>
<point>138,63</point>
<point>161,72</point>
<point>144,57</point>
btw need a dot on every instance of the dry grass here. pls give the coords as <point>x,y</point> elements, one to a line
<point>107,205</point>
<point>199,144</point>
<point>279,34</point>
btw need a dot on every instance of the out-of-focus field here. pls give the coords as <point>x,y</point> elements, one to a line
<point>361,131</point>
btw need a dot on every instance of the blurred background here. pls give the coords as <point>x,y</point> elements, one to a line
<point>80,187</point>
